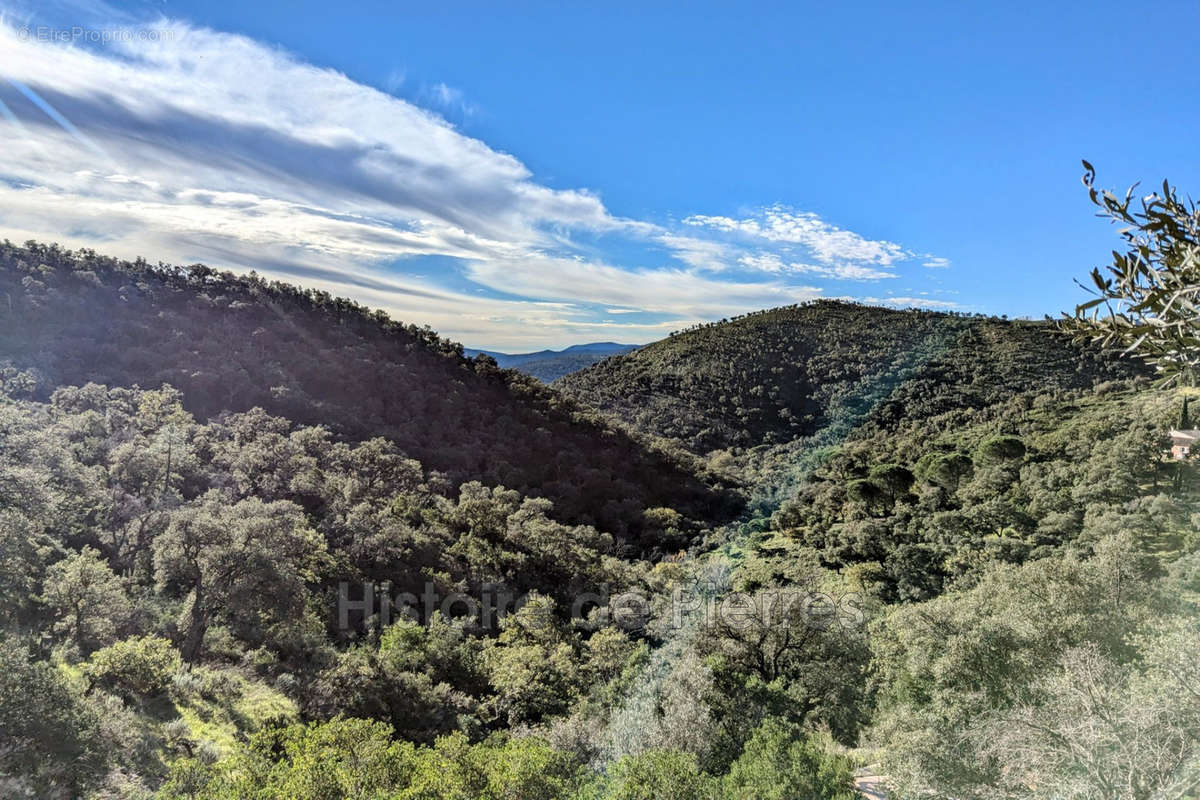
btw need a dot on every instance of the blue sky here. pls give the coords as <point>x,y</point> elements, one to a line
<point>541,174</point>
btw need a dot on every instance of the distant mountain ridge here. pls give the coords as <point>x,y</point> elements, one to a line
<point>549,365</point>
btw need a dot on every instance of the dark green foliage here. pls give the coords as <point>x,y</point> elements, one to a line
<point>229,539</point>
<point>24,550</point>
<point>894,479</point>
<point>948,667</point>
<point>773,376</point>
<point>245,561</point>
<point>87,599</point>
<point>251,503</point>
<point>790,644</point>
<point>948,470</point>
<point>864,491</point>
<point>783,761</point>
<point>780,761</point>
<point>539,667</point>
<point>1000,450</point>
<point>1038,672</point>
<point>657,773</point>
<point>49,741</point>
<point>344,758</point>
<point>423,681</point>
<point>919,496</point>
<point>142,666</point>
<point>230,344</point>
<point>979,519</point>
<point>349,758</point>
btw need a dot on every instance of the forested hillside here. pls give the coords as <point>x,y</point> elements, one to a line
<point>171,586</point>
<point>774,376</point>
<point>172,557</point>
<point>996,502</point>
<point>915,500</point>
<point>965,556</point>
<point>230,344</point>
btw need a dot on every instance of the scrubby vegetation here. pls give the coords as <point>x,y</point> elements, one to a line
<point>234,343</point>
<point>912,505</point>
<point>774,376</point>
<point>965,558</point>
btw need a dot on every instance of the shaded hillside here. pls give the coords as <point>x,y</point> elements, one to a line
<point>232,343</point>
<point>774,376</point>
<point>549,365</point>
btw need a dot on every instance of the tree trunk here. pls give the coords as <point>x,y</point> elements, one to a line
<point>197,625</point>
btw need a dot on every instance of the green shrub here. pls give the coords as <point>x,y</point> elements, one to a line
<point>219,686</point>
<point>781,761</point>
<point>655,774</point>
<point>1001,450</point>
<point>141,666</point>
<point>49,737</point>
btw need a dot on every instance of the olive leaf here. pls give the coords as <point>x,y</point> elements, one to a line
<point>1146,301</point>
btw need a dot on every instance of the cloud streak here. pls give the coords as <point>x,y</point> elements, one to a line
<point>206,146</point>
<point>826,242</point>
<point>773,263</point>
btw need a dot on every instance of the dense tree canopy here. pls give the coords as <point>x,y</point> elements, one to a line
<point>965,555</point>
<point>774,376</point>
<point>233,343</point>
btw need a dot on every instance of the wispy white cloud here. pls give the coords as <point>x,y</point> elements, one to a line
<point>220,149</point>
<point>448,98</point>
<point>395,80</point>
<point>936,262</point>
<point>655,290</point>
<point>845,272</point>
<point>704,254</point>
<point>773,263</point>
<point>827,243</point>
<point>764,262</point>
<point>910,302</point>
<point>229,152</point>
